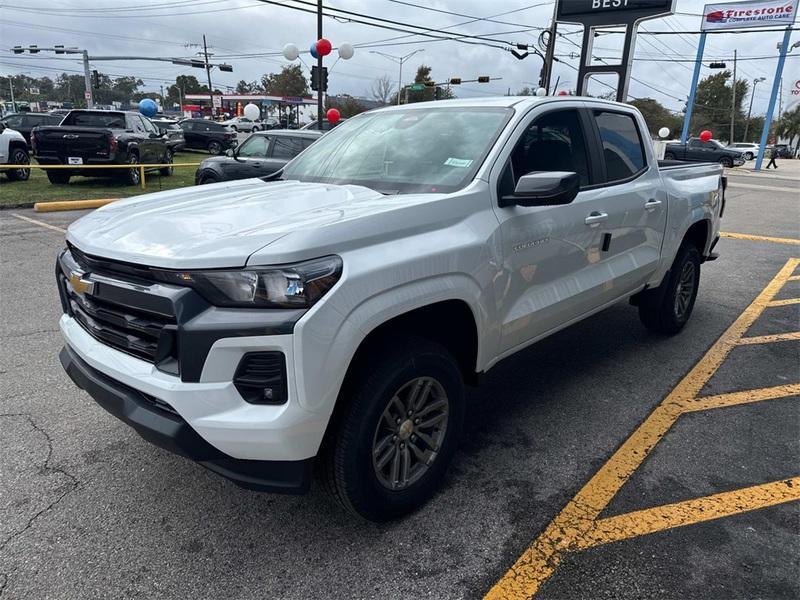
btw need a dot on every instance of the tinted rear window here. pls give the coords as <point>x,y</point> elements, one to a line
<point>95,119</point>
<point>622,145</point>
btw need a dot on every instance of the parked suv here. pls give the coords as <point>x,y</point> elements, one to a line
<point>25,122</point>
<point>242,124</point>
<point>201,134</point>
<point>330,316</point>
<point>101,137</point>
<point>259,155</point>
<point>748,149</point>
<point>174,133</point>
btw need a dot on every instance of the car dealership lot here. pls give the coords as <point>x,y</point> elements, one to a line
<point>88,509</point>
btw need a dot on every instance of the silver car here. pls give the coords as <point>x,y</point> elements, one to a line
<point>748,149</point>
<point>243,124</point>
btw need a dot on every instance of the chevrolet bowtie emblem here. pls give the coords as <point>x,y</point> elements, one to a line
<point>79,284</point>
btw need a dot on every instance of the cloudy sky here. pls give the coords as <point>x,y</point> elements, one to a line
<point>250,35</point>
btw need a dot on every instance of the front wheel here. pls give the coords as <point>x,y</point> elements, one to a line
<point>748,156</point>
<point>168,159</point>
<point>726,162</point>
<point>669,156</point>
<point>667,308</point>
<point>397,431</point>
<point>214,148</point>
<point>19,157</point>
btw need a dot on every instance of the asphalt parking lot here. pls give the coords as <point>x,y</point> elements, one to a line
<point>603,462</point>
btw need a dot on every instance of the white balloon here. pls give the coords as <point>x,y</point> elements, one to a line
<point>541,92</point>
<point>346,51</point>
<point>252,112</point>
<point>290,52</point>
<point>663,133</point>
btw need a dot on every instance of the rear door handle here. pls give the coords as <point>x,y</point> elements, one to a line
<point>652,204</point>
<point>595,218</point>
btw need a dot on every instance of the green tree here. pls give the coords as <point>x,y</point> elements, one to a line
<point>289,82</point>
<point>184,84</point>
<point>346,105</point>
<point>430,92</point>
<point>526,91</point>
<point>243,87</point>
<point>657,116</point>
<point>788,126</point>
<point>712,108</point>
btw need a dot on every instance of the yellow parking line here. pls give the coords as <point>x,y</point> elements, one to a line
<point>39,223</point>
<point>743,397</point>
<point>759,238</point>
<point>768,339</point>
<point>575,521</point>
<point>669,516</point>
<point>794,278</point>
<point>786,302</point>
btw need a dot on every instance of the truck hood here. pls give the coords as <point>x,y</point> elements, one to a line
<point>223,224</point>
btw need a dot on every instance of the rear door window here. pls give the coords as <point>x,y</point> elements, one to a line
<point>623,150</point>
<point>286,147</point>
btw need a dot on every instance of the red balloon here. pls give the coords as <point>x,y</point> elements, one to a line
<point>706,135</point>
<point>563,93</point>
<point>333,116</point>
<point>324,47</point>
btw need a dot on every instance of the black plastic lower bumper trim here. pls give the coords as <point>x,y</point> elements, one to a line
<point>168,430</point>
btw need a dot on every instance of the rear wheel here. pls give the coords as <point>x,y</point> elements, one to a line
<point>19,156</point>
<point>748,156</point>
<point>58,177</point>
<point>208,178</point>
<point>214,147</point>
<point>667,308</point>
<point>388,450</point>
<point>133,176</point>
<point>669,156</point>
<point>168,159</point>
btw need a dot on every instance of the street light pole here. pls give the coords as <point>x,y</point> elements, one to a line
<point>11,86</point>
<point>399,60</point>
<point>733,99</point>
<point>750,110</point>
<point>208,74</point>
<point>320,102</point>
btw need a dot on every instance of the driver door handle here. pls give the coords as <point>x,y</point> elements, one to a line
<point>652,204</point>
<point>595,218</point>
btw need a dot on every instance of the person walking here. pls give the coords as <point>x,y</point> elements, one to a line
<point>773,154</point>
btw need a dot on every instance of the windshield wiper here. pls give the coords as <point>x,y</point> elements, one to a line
<point>276,176</point>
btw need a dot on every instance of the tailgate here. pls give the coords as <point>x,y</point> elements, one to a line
<point>63,142</point>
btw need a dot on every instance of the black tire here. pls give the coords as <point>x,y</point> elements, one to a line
<point>234,128</point>
<point>726,162</point>
<point>346,465</point>
<point>133,176</point>
<point>254,129</point>
<point>208,178</point>
<point>669,156</point>
<point>214,147</point>
<point>19,156</point>
<point>748,156</point>
<point>167,171</point>
<point>662,310</point>
<point>58,177</point>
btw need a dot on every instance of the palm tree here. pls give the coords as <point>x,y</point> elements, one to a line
<point>788,126</point>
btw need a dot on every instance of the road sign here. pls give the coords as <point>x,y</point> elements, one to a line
<point>87,95</point>
<point>217,101</point>
<point>737,15</point>
<point>417,87</point>
<point>608,12</point>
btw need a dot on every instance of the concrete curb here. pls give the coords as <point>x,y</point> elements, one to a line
<point>71,204</point>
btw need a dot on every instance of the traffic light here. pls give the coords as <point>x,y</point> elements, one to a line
<point>198,64</point>
<point>717,65</point>
<point>455,81</point>
<point>226,68</point>
<point>483,79</point>
<point>33,49</point>
<point>95,79</point>
<point>18,50</point>
<point>60,49</point>
<point>317,83</point>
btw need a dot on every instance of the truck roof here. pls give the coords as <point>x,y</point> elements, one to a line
<point>506,102</point>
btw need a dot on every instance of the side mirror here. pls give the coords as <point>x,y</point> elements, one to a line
<point>544,188</point>
<point>229,152</point>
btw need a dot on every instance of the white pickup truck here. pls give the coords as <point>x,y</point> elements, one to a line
<point>332,314</point>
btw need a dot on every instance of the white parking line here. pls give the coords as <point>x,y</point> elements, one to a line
<point>770,188</point>
<point>39,223</point>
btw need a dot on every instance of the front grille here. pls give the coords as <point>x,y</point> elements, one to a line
<point>112,315</point>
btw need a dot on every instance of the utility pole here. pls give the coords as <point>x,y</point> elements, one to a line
<point>320,105</point>
<point>780,99</point>
<point>750,110</point>
<point>733,100</point>
<point>11,86</point>
<point>208,74</point>
<point>547,65</point>
<point>399,60</point>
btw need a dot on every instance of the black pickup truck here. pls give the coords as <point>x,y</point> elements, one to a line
<point>696,150</point>
<point>101,137</point>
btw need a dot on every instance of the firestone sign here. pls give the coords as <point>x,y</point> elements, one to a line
<point>736,15</point>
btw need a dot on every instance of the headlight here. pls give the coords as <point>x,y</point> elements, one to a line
<point>291,286</point>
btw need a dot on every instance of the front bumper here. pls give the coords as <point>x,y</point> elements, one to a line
<point>160,425</point>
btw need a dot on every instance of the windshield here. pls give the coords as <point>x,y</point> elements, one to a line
<point>419,150</point>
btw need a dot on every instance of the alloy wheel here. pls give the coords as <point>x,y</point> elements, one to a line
<point>686,284</point>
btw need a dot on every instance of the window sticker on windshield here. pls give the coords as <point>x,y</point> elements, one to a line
<point>461,163</point>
